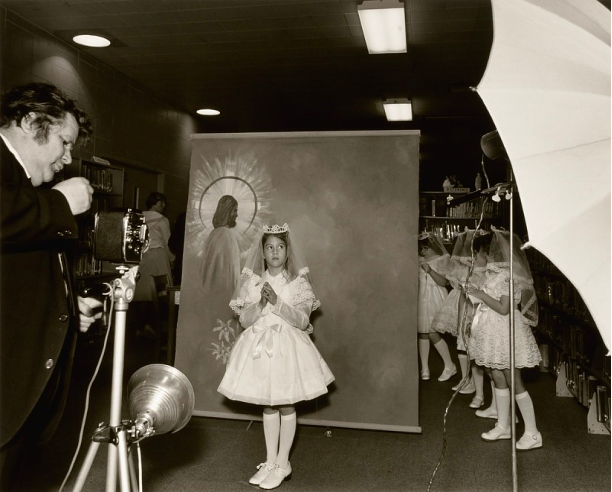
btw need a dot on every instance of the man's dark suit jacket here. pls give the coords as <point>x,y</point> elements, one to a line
<point>36,225</point>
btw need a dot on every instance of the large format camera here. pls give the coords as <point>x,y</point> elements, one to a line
<point>120,236</point>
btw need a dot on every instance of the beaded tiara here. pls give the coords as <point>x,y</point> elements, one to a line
<point>276,229</point>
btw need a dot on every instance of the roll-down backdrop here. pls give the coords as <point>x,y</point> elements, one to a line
<point>351,199</point>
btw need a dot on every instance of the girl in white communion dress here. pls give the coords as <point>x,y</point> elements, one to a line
<point>489,344</point>
<point>274,363</point>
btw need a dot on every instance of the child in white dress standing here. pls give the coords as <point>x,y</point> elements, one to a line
<point>457,311</point>
<point>434,261</point>
<point>274,363</point>
<point>489,344</point>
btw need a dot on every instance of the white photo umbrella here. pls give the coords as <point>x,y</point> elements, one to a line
<point>547,88</point>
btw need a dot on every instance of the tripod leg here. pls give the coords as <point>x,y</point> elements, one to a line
<point>89,459</point>
<point>133,468</point>
<point>124,473</point>
<point>111,469</point>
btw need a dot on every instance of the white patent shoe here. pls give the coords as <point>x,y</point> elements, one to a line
<point>529,441</point>
<point>276,477</point>
<point>263,470</point>
<point>496,433</point>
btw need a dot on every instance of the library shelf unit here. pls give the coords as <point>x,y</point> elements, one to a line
<point>571,345</point>
<point>437,214</point>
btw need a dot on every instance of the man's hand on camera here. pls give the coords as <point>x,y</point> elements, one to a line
<point>90,309</point>
<point>78,192</point>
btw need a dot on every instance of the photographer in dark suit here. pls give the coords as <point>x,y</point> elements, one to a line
<point>39,314</point>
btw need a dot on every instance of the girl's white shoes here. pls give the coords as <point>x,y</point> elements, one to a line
<point>448,373</point>
<point>496,433</point>
<point>276,476</point>
<point>263,470</point>
<point>488,413</point>
<point>477,402</point>
<point>529,441</point>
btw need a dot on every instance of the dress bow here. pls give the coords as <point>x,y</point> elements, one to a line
<point>265,339</point>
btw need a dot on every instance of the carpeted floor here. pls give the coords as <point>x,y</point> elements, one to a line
<point>220,455</point>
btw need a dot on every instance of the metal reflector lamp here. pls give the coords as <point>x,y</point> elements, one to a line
<point>160,400</point>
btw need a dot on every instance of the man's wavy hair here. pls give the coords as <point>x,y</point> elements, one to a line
<point>49,104</point>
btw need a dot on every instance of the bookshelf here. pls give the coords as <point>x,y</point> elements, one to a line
<point>438,215</point>
<point>571,345</point>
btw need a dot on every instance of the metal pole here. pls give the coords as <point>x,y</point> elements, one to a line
<point>512,347</point>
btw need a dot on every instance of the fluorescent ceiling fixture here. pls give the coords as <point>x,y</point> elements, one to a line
<point>91,40</point>
<point>384,26</point>
<point>398,109</point>
<point>208,112</point>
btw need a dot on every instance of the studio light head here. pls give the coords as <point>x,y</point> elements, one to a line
<point>160,399</point>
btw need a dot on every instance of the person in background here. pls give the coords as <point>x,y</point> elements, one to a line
<point>274,363</point>
<point>434,261</point>
<point>40,314</point>
<point>489,344</point>
<point>176,243</point>
<point>156,260</point>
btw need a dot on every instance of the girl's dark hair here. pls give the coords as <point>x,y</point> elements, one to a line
<point>284,237</point>
<point>483,241</point>
<point>423,243</point>
<point>155,197</point>
<point>48,103</point>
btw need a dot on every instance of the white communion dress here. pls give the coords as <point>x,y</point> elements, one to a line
<point>490,341</point>
<point>431,295</point>
<point>274,361</point>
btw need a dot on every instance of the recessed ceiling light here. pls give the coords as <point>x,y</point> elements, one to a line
<point>208,112</point>
<point>92,40</point>
<point>398,109</point>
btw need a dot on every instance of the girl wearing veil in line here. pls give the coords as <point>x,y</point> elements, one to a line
<point>452,316</point>
<point>489,344</point>
<point>274,363</point>
<point>434,264</point>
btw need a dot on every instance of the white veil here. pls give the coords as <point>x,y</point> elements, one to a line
<point>255,265</point>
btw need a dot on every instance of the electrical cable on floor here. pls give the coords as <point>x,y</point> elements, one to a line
<point>464,330</point>
<point>93,378</point>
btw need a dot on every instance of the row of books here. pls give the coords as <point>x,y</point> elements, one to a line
<point>474,209</point>
<point>579,343</point>
<point>86,265</point>
<point>580,383</point>
<point>602,402</point>
<point>560,293</point>
<point>100,179</point>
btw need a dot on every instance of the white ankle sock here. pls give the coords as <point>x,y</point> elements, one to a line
<point>287,433</point>
<point>424,353</point>
<point>271,425</point>
<point>442,349</point>
<point>503,407</point>
<point>525,404</point>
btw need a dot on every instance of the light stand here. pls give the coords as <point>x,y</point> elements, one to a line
<point>116,432</point>
<point>160,397</point>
